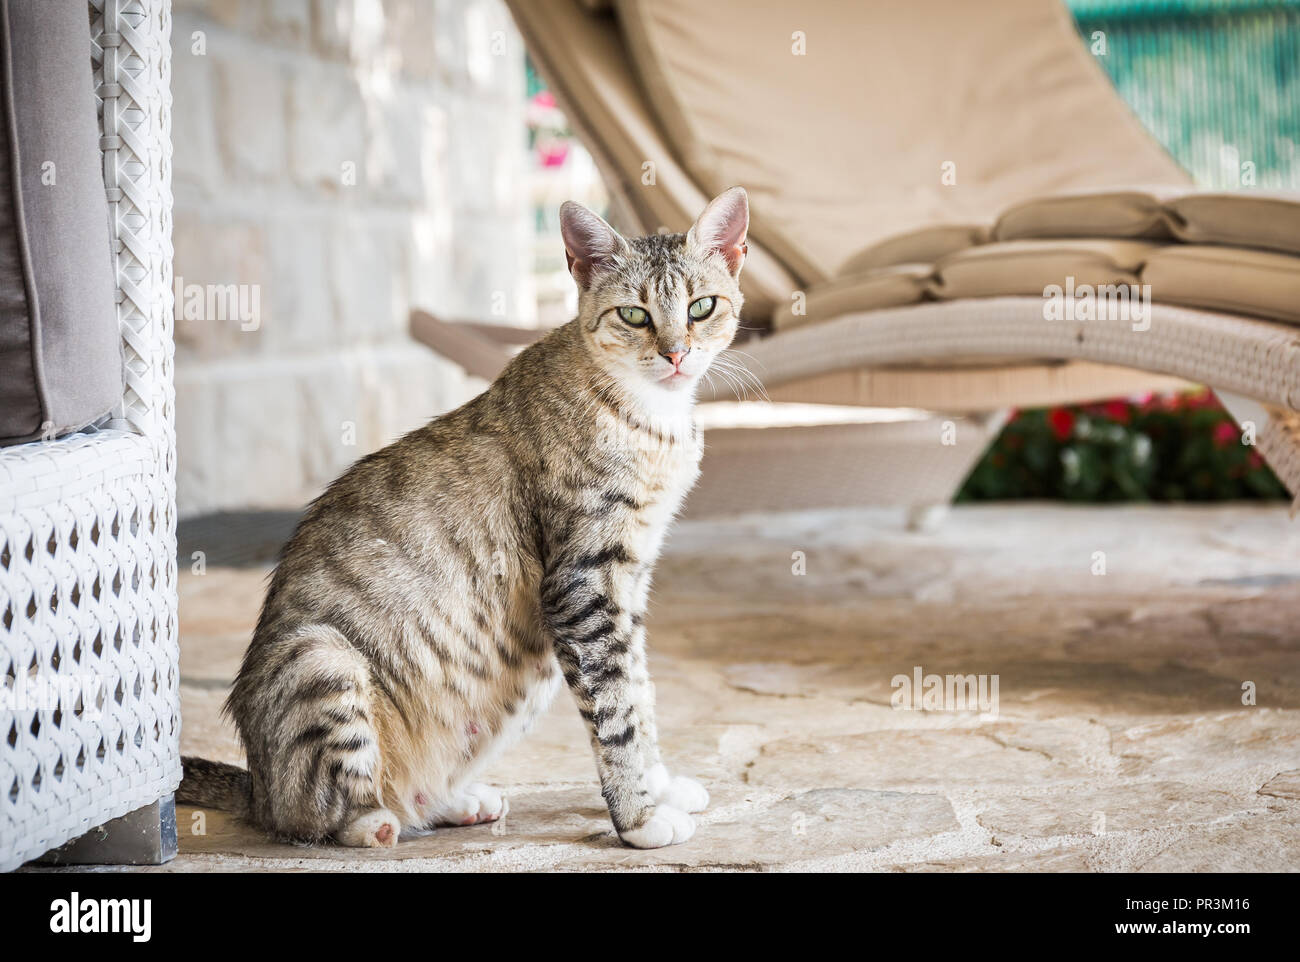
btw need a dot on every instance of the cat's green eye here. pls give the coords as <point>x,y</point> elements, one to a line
<point>635,316</point>
<point>700,309</point>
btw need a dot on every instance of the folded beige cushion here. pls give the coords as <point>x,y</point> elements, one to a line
<point>1228,280</point>
<point>887,287</point>
<point>1269,219</point>
<point>924,246</point>
<point>1234,280</point>
<point>1029,267</point>
<point>1109,213</point>
<point>1264,219</point>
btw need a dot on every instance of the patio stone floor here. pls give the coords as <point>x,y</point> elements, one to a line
<point>1120,740</point>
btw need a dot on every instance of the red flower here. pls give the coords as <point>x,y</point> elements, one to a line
<point>1061,422</point>
<point>1117,411</point>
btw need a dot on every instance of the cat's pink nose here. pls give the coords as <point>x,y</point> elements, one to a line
<point>675,358</point>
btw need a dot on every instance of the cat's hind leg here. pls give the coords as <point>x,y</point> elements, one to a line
<point>376,828</point>
<point>323,777</point>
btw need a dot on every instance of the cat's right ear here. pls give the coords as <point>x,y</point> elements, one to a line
<point>589,243</point>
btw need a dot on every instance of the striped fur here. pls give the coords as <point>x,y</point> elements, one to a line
<point>437,595</point>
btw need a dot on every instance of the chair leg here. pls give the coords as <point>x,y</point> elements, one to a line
<point>925,518</point>
<point>1277,436</point>
<point>936,490</point>
<point>146,836</point>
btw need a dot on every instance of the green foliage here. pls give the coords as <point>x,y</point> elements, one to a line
<point>1177,448</point>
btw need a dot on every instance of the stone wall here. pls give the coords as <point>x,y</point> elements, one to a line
<point>336,162</point>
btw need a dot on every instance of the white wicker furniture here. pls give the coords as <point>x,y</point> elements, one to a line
<point>88,522</point>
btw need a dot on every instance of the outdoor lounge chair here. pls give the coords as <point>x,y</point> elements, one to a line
<point>921,174</point>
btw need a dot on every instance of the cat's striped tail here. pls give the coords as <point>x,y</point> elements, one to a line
<point>227,788</point>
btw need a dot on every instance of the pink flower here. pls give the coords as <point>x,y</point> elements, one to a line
<point>1225,433</point>
<point>1117,411</point>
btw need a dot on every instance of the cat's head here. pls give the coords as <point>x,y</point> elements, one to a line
<point>656,311</point>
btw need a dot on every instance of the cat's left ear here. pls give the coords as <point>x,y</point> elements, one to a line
<point>723,227</point>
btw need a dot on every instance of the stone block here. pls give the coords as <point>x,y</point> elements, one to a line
<point>196,163</point>
<point>327,127</point>
<point>488,261</point>
<point>410,37</point>
<point>478,49</point>
<point>273,432</point>
<point>333,30</point>
<point>368,281</point>
<point>406,150</point>
<point>287,21</point>
<point>220,272</point>
<point>250,118</point>
<point>297,300</point>
<point>488,155</point>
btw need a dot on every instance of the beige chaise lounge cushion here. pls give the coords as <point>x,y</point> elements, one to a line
<point>846,144</point>
<point>1030,267</point>
<point>1269,220</point>
<point>1244,218</point>
<point>989,270</point>
<point>1233,280</point>
<point>893,286</point>
<point>924,246</point>
<point>1135,213</point>
<point>1266,219</point>
<point>1227,280</point>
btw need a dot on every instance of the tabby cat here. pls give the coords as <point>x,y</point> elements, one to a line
<point>434,598</point>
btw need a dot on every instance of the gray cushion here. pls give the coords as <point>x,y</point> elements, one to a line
<point>60,349</point>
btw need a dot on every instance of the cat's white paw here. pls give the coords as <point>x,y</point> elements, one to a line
<point>685,794</point>
<point>492,805</point>
<point>667,826</point>
<point>375,829</point>
<point>676,791</point>
<point>476,803</point>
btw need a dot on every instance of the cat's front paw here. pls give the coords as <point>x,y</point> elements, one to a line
<point>676,791</point>
<point>685,794</point>
<point>665,826</point>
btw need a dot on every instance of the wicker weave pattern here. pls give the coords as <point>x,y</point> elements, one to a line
<point>1253,358</point>
<point>88,522</point>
